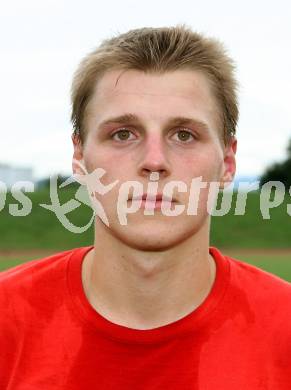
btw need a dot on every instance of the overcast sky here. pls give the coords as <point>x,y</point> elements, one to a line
<point>42,43</point>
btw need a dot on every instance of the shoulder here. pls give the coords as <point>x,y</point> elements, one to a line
<point>265,301</point>
<point>31,268</point>
<point>264,291</point>
<point>35,273</point>
<point>258,278</point>
<point>257,302</point>
<point>34,289</point>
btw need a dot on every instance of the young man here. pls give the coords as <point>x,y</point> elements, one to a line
<point>150,305</point>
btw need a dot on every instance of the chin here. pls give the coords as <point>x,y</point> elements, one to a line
<point>154,235</point>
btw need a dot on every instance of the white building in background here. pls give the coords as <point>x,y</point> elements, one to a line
<point>10,175</point>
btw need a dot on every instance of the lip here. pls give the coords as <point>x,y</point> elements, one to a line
<point>154,198</point>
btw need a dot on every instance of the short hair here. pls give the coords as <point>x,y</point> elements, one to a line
<point>158,50</point>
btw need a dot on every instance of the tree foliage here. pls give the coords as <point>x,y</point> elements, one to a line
<point>280,171</point>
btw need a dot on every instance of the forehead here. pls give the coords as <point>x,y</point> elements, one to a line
<point>154,96</point>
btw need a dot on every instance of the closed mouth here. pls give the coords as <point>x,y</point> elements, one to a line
<point>153,198</point>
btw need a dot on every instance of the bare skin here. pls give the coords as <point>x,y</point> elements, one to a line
<point>154,270</point>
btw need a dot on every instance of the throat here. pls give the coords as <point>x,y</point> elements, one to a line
<point>137,301</point>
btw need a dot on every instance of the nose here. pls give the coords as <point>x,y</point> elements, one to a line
<point>154,157</point>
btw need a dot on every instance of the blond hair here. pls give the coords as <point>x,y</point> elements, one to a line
<point>159,50</point>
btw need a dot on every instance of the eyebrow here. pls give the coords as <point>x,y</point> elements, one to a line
<point>173,121</point>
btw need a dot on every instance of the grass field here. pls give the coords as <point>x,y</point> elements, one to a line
<point>6,263</point>
<point>277,263</point>
<point>265,243</point>
<point>42,230</point>
<point>11,260</point>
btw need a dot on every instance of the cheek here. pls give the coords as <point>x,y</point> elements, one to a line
<point>96,158</point>
<point>208,165</point>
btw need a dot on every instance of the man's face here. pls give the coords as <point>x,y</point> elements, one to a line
<point>139,123</point>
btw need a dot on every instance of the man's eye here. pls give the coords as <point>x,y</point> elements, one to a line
<point>122,135</point>
<point>184,135</point>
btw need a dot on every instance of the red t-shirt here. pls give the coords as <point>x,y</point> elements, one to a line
<point>239,338</point>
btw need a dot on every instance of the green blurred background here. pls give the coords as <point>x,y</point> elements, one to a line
<point>263,242</point>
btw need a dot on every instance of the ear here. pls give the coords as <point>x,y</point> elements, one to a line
<point>229,163</point>
<point>78,165</point>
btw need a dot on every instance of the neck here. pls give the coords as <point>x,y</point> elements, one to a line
<point>145,290</point>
